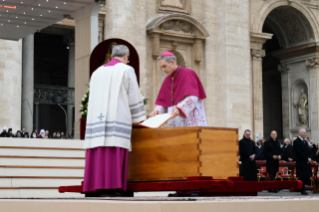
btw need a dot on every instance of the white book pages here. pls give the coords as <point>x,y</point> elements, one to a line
<point>157,121</point>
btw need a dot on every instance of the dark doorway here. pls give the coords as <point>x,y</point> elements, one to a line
<point>272,101</point>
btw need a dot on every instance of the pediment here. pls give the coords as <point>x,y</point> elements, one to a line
<point>177,25</point>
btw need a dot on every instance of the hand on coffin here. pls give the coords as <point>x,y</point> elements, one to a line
<point>279,157</point>
<point>309,160</point>
<point>154,113</point>
<point>175,113</point>
<point>290,159</point>
<point>275,157</point>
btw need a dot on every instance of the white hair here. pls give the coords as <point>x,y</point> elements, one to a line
<point>167,58</point>
<point>302,129</point>
<point>120,51</point>
<point>287,139</point>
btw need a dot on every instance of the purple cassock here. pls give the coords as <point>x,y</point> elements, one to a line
<point>106,167</point>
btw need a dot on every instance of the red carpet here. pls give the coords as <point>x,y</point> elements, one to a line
<point>234,186</point>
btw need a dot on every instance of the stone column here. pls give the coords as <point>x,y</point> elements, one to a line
<point>285,94</point>
<point>27,82</point>
<point>86,39</point>
<point>313,98</point>
<point>36,117</point>
<point>71,83</point>
<point>10,83</point>
<point>120,20</point>
<point>69,40</point>
<point>257,53</point>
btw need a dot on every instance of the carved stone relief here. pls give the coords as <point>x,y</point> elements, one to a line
<point>257,53</point>
<point>181,6</point>
<point>177,25</point>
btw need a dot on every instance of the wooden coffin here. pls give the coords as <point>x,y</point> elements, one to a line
<point>177,153</point>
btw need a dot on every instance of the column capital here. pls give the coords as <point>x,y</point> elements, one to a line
<point>258,53</point>
<point>312,62</point>
<point>283,67</point>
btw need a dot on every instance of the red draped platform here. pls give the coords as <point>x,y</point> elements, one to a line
<point>234,186</point>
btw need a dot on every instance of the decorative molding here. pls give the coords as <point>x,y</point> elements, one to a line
<point>312,63</point>
<point>283,68</point>
<point>177,25</point>
<point>180,6</point>
<point>258,53</point>
<point>53,95</point>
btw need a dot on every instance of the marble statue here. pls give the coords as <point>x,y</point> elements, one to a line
<point>302,106</point>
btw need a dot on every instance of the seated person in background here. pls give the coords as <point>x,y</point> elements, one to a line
<point>284,150</point>
<point>260,150</point>
<point>58,135</point>
<point>54,135</point>
<point>42,133</point>
<point>33,134</point>
<point>47,133</point>
<point>9,134</point>
<point>62,135</point>
<point>290,151</point>
<point>4,132</point>
<point>18,135</point>
<point>26,135</point>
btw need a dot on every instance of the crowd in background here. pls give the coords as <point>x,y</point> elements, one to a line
<point>287,151</point>
<point>44,134</point>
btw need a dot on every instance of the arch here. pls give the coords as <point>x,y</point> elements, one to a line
<point>99,54</point>
<point>175,23</point>
<point>179,57</point>
<point>269,6</point>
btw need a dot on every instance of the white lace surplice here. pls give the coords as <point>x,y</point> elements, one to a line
<point>192,113</point>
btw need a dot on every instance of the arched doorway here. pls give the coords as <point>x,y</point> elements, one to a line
<point>284,63</point>
<point>102,54</point>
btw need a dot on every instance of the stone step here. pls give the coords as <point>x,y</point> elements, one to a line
<point>41,171</point>
<point>57,143</point>
<point>41,161</point>
<point>35,181</point>
<point>35,192</point>
<point>41,151</point>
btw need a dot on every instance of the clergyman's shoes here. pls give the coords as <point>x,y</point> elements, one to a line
<point>304,192</point>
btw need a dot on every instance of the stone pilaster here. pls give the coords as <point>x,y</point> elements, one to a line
<point>86,39</point>
<point>257,92</point>
<point>284,69</point>
<point>27,82</point>
<point>257,53</point>
<point>313,98</point>
<point>10,83</point>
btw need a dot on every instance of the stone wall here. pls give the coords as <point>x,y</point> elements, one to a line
<point>10,84</point>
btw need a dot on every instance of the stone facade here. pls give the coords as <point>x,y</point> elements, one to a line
<point>10,83</point>
<point>235,46</point>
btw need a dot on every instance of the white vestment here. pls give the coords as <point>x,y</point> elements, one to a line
<point>192,113</point>
<point>115,102</point>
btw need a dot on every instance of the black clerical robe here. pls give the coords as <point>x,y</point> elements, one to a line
<point>302,153</point>
<point>271,148</point>
<point>247,148</point>
<point>260,153</point>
